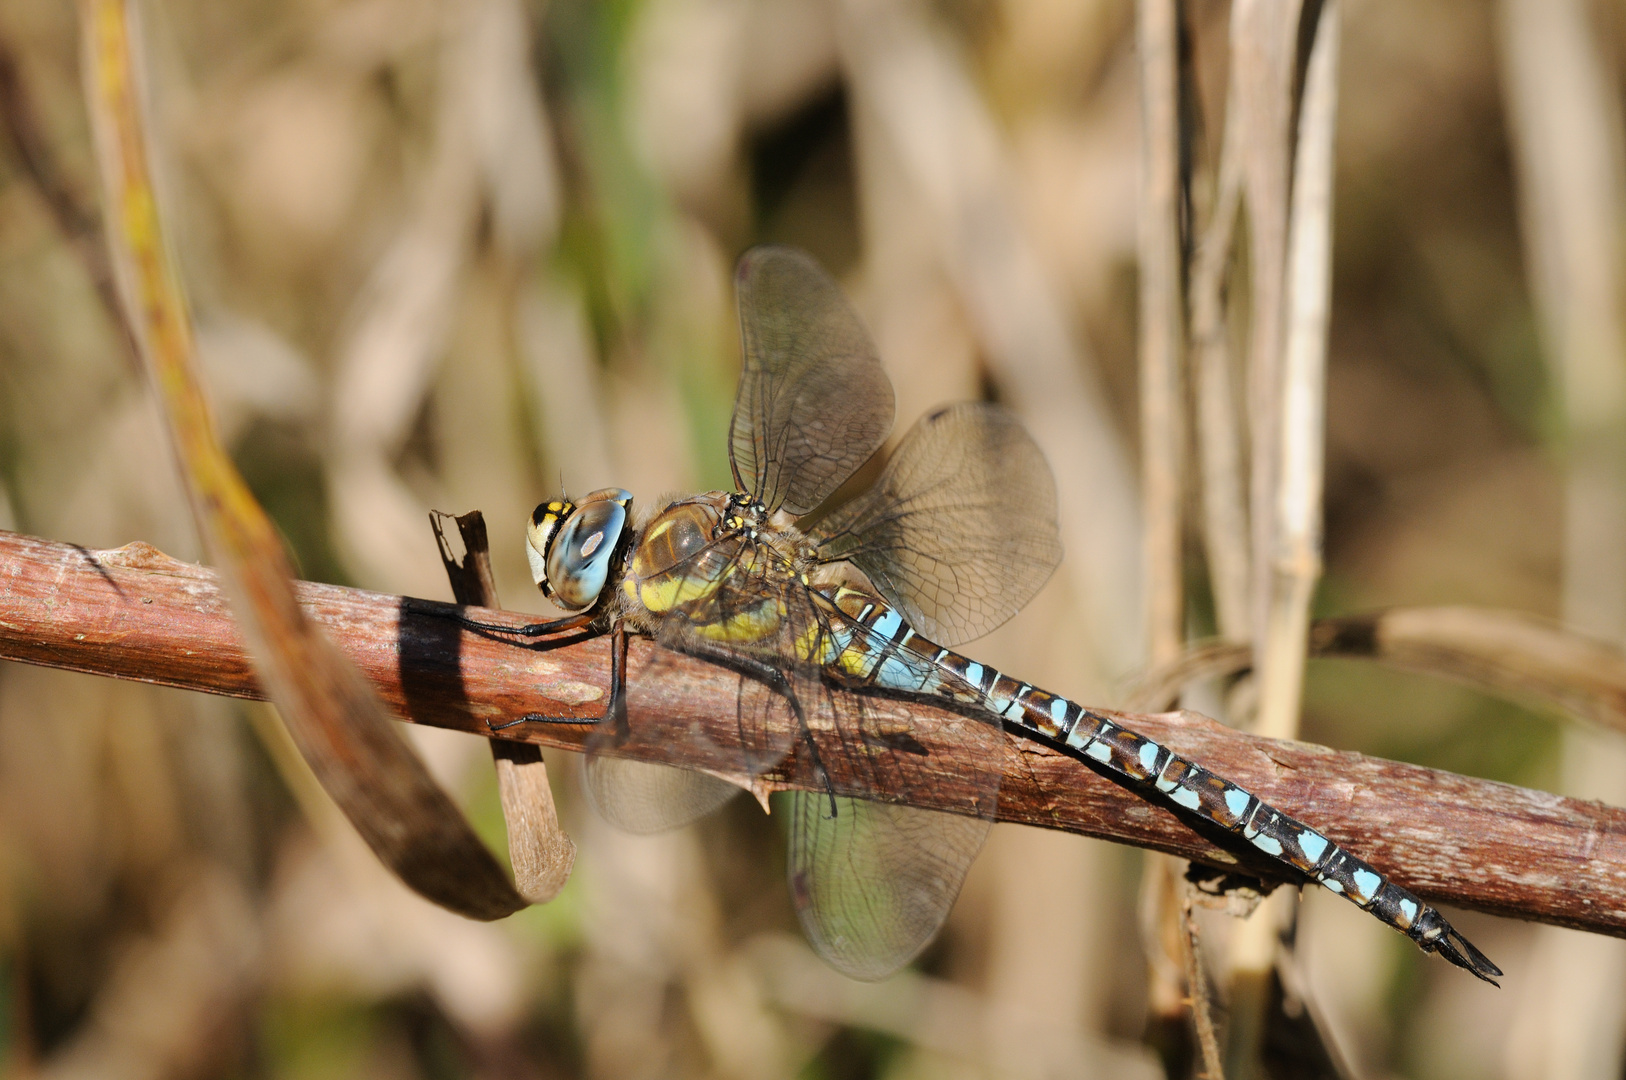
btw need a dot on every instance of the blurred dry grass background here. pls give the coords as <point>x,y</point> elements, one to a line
<point>452,254</point>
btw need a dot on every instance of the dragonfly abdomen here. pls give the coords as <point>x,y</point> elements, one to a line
<point>874,658</point>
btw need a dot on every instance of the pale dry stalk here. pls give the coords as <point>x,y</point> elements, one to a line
<point>1289,376</point>
<point>1567,134</point>
<point>1295,533</point>
<point>1162,419</point>
<point>1162,328</point>
<point>1218,422</point>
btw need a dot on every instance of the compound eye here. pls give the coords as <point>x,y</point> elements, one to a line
<point>577,559</point>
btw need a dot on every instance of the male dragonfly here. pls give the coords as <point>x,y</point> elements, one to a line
<point>827,615</point>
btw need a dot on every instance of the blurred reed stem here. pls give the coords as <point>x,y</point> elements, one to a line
<point>1290,219</point>
<point>1162,327</point>
<point>1567,133</point>
<point>1219,425</point>
<point>1162,268</point>
<point>74,217</point>
<point>1263,40</point>
<point>1509,654</point>
<point>1202,1012</point>
<point>1264,36</point>
<point>1295,552</point>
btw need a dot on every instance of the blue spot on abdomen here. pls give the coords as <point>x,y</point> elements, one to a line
<point>1312,844</point>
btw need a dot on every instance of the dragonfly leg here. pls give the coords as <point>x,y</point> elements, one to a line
<point>615,710</point>
<point>774,679</point>
<point>536,629</point>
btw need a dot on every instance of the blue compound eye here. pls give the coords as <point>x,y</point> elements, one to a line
<point>577,553</point>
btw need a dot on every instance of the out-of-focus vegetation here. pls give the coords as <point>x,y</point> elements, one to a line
<point>455,254</point>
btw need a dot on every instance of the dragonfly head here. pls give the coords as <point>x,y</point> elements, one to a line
<point>570,545</point>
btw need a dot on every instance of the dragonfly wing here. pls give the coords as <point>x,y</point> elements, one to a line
<point>873,882</point>
<point>960,530</point>
<point>872,874</point>
<point>813,402</point>
<point>646,797</point>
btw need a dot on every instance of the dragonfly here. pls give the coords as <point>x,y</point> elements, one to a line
<point>832,617</point>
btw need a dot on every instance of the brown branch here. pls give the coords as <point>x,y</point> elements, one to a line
<point>135,613</point>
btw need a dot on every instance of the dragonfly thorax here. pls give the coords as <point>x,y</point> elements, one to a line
<point>700,548</point>
<point>745,514</point>
<point>571,546</point>
<point>676,535</point>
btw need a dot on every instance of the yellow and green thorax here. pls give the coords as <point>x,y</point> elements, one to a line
<point>700,559</point>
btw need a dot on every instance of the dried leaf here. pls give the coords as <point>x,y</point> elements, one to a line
<point>332,713</point>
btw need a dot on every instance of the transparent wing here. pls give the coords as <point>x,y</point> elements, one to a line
<point>813,402</point>
<point>645,797</point>
<point>874,882</point>
<point>872,877</point>
<point>960,530</point>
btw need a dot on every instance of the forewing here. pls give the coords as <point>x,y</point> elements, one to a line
<point>960,530</point>
<point>813,402</point>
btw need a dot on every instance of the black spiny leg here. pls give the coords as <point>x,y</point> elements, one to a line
<point>775,680</point>
<point>615,710</point>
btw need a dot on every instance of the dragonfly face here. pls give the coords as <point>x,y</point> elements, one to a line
<point>572,546</point>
